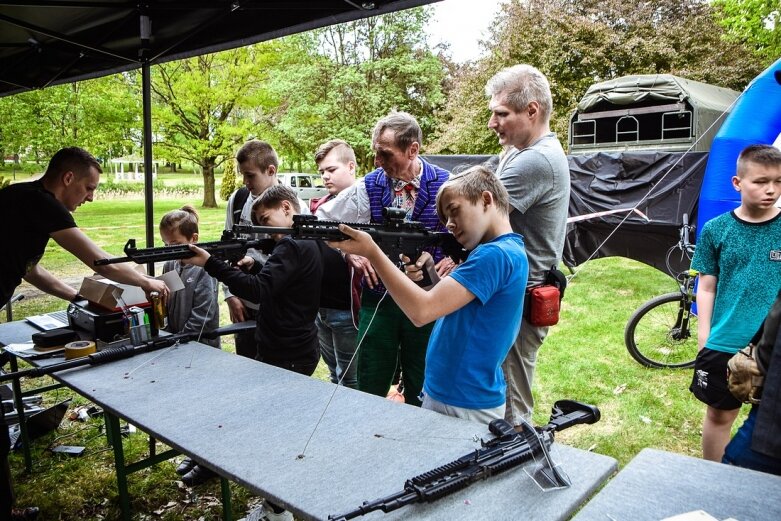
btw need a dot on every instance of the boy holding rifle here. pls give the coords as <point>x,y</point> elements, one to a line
<point>479,300</point>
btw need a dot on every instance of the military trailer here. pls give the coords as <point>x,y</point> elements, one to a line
<point>648,112</point>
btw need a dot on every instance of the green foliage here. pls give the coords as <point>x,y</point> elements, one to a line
<point>576,44</point>
<point>201,101</point>
<point>100,115</point>
<point>229,180</point>
<point>348,76</point>
<point>755,22</point>
<point>4,181</point>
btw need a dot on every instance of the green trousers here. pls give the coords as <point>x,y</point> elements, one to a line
<point>391,340</point>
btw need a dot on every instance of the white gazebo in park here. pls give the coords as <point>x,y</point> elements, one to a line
<point>137,171</point>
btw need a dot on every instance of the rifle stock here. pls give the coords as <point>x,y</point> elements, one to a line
<point>119,353</point>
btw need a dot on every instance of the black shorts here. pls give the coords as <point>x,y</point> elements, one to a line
<point>709,383</point>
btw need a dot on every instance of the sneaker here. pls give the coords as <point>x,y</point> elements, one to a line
<point>185,466</point>
<point>265,513</point>
<point>27,514</point>
<point>198,475</point>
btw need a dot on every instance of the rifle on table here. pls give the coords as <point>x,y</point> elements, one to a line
<point>509,449</point>
<point>127,351</point>
<point>395,236</point>
<point>231,248</point>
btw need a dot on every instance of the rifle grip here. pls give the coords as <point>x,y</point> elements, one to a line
<point>430,275</point>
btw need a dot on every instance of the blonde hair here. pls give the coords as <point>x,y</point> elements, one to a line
<point>344,152</point>
<point>765,155</point>
<point>183,220</point>
<point>470,184</point>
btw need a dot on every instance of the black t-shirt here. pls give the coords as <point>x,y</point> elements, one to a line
<point>29,213</point>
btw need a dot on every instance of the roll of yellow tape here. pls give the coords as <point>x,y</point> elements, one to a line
<point>78,349</point>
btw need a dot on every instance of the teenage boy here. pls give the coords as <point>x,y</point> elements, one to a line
<point>337,326</point>
<point>738,256</point>
<point>478,301</point>
<point>257,163</point>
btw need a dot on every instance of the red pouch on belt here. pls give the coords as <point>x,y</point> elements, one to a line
<point>543,305</point>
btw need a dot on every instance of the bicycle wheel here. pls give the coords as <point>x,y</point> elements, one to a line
<point>655,337</point>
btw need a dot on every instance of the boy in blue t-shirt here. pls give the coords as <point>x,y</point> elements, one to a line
<point>478,307</point>
<point>738,256</point>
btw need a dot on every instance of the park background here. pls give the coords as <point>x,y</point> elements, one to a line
<point>301,90</point>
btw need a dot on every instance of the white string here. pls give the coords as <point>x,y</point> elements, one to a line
<point>339,383</point>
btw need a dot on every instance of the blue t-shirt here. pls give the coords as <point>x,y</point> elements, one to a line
<point>745,258</point>
<point>467,347</point>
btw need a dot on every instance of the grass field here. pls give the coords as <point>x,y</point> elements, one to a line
<point>584,358</point>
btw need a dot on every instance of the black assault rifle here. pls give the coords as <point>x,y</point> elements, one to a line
<point>127,351</point>
<point>395,236</point>
<point>509,449</point>
<point>231,248</point>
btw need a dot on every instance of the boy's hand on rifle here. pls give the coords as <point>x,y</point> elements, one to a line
<point>200,257</point>
<point>414,270</point>
<point>246,263</point>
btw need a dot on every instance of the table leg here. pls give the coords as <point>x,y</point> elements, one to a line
<point>227,511</point>
<point>19,403</point>
<point>115,440</point>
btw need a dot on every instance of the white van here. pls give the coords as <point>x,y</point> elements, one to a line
<point>308,186</point>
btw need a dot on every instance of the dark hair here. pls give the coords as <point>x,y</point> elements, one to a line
<point>404,126</point>
<point>765,155</point>
<point>183,220</point>
<point>73,159</point>
<point>259,152</point>
<point>273,196</point>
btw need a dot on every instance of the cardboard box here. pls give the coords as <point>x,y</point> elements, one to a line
<point>100,291</point>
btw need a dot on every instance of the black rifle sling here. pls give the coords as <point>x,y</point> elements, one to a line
<point>239,198</point>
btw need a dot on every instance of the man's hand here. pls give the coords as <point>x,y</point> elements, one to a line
<point>357,249</point>
<point>444,266</point>
<point>150,285</point>
<point>236,309</point>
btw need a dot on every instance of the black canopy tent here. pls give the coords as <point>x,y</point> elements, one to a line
<point>50,42</point>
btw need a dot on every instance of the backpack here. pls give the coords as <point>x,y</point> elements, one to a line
<point>747,368</point>
<point>239,198</point>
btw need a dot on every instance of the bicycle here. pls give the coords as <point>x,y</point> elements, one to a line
<point>662,333</point>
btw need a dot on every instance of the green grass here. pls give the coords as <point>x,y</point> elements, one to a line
<point>583,358</point>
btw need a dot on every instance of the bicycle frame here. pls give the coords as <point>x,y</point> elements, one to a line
<point>681,330</point>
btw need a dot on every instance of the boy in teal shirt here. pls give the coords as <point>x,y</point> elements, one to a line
<point>738,256</point>
<point>477,308</point>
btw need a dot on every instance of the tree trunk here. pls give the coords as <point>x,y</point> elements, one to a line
<point>209,201</point>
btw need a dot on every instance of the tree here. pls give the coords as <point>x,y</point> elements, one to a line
<point>229,181</point>
<point>578,43</point>
<point>356,73</point>
<point>100,115</point>
<point>197,101</point>
<point>755,22</point>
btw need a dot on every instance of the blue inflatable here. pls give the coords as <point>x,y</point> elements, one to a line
<point>755,119</point>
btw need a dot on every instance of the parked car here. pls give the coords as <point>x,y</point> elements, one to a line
<point>308,186</point>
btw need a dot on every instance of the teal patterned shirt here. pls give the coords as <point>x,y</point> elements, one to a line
<point>745,258</point>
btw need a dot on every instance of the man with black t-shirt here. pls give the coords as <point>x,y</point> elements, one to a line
<point>31,214</point>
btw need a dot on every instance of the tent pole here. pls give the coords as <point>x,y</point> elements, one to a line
<point>146,90</point>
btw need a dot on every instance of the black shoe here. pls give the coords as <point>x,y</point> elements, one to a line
<point>185,466</point>
<point>198,475</point>
<point>24,514</point>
